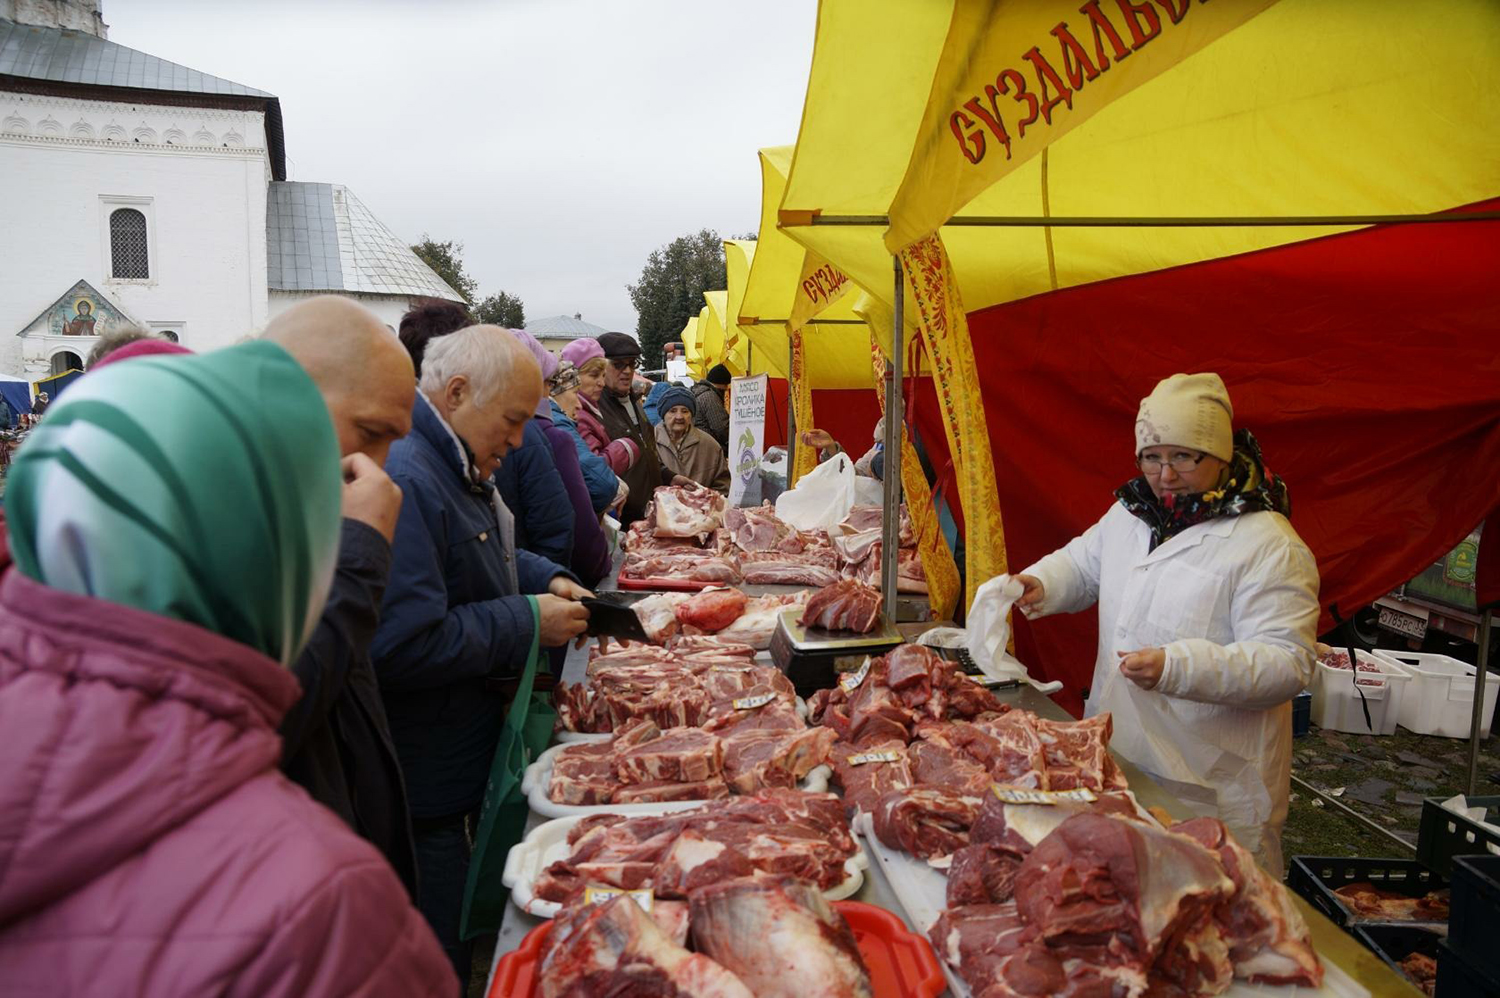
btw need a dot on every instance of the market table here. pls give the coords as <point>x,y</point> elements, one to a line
<point>1331,942</point>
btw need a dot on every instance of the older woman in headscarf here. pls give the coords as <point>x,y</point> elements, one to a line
<point>147,837</point>
<point>605,487</point>
<point>588,356</point>
<point>590,560</point>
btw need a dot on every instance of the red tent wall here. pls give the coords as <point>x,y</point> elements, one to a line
<point>1368,365</point>
<point>849,414</point>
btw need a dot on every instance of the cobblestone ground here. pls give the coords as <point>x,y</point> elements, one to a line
<point>1383,778</point>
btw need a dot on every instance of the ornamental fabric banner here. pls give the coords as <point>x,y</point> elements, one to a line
<point>806,458</point>
<point>945,330</point>
<point>747,429</point>
<point>937,561</point>
<point>1015,77</point>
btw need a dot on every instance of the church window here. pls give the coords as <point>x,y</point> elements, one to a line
<point>128,245</point>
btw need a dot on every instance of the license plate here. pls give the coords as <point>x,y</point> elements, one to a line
<point>1403,623</point>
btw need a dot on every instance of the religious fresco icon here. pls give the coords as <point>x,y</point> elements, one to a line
<point>81,311</point>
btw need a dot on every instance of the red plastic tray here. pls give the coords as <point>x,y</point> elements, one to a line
<point>901,963</point>
<point>663,584</point>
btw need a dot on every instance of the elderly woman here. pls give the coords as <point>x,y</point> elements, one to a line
<point>149,842</point>
<point>688,453</point>
<point>590,550</point>
<point>588,356</point>
<point>1208,608</point>
<point>605,487</point>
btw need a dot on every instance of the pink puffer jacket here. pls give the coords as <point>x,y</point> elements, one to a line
<point>148,844</point>
<point>621,454</point>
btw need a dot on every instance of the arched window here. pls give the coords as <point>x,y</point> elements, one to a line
<point>65,362</point>
<point>127,245</point>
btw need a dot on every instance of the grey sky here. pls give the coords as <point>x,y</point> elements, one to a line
<point>559,140</point>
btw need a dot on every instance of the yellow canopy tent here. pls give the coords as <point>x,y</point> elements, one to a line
<point>1037,137</point>
<point>711,329</point>
<point>692,348</point>
<point>745,356</point>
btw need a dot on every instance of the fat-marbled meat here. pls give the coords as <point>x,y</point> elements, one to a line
<point>846,605</point>
<point>680,566</point>
<point>780,936</point>
<point>688,511</point>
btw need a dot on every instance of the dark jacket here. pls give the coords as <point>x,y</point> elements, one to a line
<point>598,477</point>
<point>335,740</point>
<point>451,618</point>
<point>590,560</point>
<point>644,477</point>
<point>533,491</point>
<point>711,417</point>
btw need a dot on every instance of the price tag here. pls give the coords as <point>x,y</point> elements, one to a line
<point>889,755</point>
<point>851,682</point>
<point>730,668</point>
<point>601,895</point>
<point>1021,795</point>
<point>750,703</point>
<point>987,681</point>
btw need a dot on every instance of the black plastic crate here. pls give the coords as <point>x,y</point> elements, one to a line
<point>1443,834</point>
<point>1472,929</point>
<point>1461,978</point>
<point>1395,941</point>
<point>1301,714</point>
<point>1316,878</point>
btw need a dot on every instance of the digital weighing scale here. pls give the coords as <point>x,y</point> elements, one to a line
<point>813,659</point>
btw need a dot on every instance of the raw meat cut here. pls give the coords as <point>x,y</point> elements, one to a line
<point>925,821</point>
<point>1130,895</point>
<point>1054,755</point>
<point>981,873</point>
<point>656,791</point>
<point>711,611</point>
<point>776,831</point>
<point>846,605</point>
<point>665,567</point>
<point>910,576</point>
<point>780,937</point>
<point>688,511</point>
<point>687,644</point>
<point>693,861</point>
<point>1268,940</point>
<point>1000,956</point>
<point>758,622</point>
<point>615,948</point>
<point>658,614</point>
<point>681,755</point>
<point>756,758</point>
<point>753,529</point>
<point>1371,902</point>
<point>773,568</point>
<point>867,773</point>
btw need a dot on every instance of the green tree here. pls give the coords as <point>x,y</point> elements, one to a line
<point>501,310</point>
<point>671,288</point>
<point>446,259</point>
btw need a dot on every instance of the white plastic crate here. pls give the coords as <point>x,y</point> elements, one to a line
<point>1337,705</point>
<point>1440,699</point>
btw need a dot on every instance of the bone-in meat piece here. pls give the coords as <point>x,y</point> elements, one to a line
<point>685,566</point>
<point>846,605</point>
<point>617,949</point>
<point>779,936</point>
<point>925,821</point>
<point>688,511</point>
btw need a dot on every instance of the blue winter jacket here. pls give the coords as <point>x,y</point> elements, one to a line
<point>451,618</point>
<point>533,490</point>
<point>653,397</point>
<point>597,475</point>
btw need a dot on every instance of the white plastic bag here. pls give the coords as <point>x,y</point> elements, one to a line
<point>989,632</point>
<point>868,491</point>
<point>822,497</point>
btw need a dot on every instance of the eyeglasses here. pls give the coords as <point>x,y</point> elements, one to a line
<point>1181,462</point>
<point>624,365</point>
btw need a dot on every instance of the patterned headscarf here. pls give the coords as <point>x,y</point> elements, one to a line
<point>565,380</point>
<point>203,488</point>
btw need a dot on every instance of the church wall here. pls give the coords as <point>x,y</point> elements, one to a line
<point>198,175</point>
<point>390,308</point>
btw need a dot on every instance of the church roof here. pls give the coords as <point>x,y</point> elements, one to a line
<point>558,326</point>
<point>320,237</point>
<point>65,56</point>
<point>71,59</point>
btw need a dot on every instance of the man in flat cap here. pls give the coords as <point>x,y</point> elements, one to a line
<point>624,418</point>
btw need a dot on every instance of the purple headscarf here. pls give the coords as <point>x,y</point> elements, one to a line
<point>545,360</point>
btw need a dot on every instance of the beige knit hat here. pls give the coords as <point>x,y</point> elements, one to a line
<point>1189,410</point>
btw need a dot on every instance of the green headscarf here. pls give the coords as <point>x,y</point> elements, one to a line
<point>204,488</point>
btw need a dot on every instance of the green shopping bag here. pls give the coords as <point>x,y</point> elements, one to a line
<point>502,818</point>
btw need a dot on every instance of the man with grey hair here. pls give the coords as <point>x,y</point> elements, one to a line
<point>454,625</point>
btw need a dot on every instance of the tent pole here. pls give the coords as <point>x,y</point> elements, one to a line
<point>791,412</point>
<point>1476,721</point>
<point>890,534</point>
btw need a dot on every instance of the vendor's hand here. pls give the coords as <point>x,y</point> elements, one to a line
<point>1034,593</point>
<point>565,587</point>
<point>821,439</point>
<point>562,620</point>
<point>369,495</point>
<point>1143,667</point>
<point>682,480</point>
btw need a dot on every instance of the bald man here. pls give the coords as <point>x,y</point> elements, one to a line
<point>456,629</point>
<point>336,740</point>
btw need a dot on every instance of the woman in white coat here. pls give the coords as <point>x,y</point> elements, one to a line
<point>1208,609</point>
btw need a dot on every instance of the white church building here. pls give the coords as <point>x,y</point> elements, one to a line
<point>140,192</point>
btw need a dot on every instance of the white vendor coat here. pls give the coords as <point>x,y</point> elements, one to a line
<point>1234,602</point>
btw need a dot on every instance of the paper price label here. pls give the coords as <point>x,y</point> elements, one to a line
<point>750,703</point>
<point>889,755</point>
<point>851,682</point>
<point>601,895</point>
<point>730,668</point>
<point>1021,795</point>
<point>986,681</point>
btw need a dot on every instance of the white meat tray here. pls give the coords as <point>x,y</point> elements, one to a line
<point>548,842</point>
<point>923,892</point>
<point>585,736</point>
<point>538,777</point>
